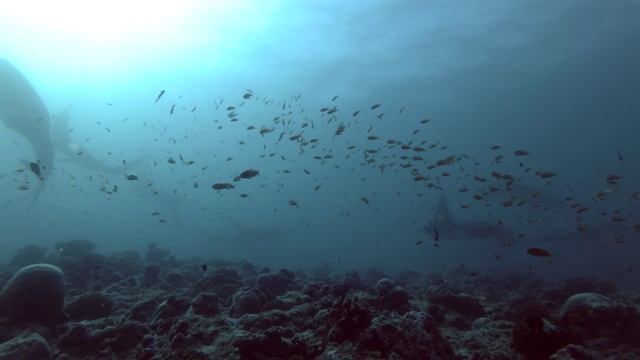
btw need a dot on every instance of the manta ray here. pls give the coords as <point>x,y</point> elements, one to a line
<point>74,152</point>
<point>22,110</point>
<point>448,228</point>
<point>251,236</point>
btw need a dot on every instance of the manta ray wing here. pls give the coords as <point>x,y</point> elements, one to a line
<point>443,221</point>
<point>63,142</point>
<point>448,228</point>
<point>22,110</point>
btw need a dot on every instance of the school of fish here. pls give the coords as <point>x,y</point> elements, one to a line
<point>427,165</point>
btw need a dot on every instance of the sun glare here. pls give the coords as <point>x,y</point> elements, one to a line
<point>123,33</point>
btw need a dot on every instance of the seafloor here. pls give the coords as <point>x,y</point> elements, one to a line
<point>153,306</point>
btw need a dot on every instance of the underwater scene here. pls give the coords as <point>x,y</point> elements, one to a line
<point>320,180</point>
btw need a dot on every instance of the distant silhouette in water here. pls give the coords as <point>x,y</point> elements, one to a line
<point>22,110</point>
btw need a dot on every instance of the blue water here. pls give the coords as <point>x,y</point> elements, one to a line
<point>558,80</point>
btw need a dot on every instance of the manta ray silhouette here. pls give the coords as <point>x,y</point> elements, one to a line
<point>22,110</point>
<point>449,228</point>
<point>60,132</point>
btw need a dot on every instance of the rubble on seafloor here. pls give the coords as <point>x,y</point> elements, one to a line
<point>123,306</point>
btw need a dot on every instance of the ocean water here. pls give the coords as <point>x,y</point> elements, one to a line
<point>557,80</point>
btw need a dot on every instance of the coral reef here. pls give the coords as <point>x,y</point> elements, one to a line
<point>172,309</point>
<point>35,294</point>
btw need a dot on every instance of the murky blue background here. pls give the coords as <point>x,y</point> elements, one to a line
<point>559,80</point>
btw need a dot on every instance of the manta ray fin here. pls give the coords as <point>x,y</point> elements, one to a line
<point>443,217</point>
<point>75,153</point>
<point>22,110</point>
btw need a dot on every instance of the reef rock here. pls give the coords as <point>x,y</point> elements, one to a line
<point>90,306</point>
<point>25,346</point>
<point>75,248</point>
<point>590,316</point>
<point>35,294</point>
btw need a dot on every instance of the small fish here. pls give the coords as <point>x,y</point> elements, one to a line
<point>293,203</point>
<point>222,186</point>
<point>617,240</point>
<point>616,218</point>
<point>172,107</point>
<point>248,174</point>
<point>160,95</point>
<point>582,227</point>
<point>495,147</point>
<point>364,200</point>
<point>538,252</point>
<point>436,236</point>
<point>155,213</point>
<point>355,113</point>
<point>446,161</point>
<point>620,156</point>
<point>520,153</point>
<point>35,168</point>
<point>244,195</point>
<point>375,106</point>
<point>545,174</point>
<point>203,267</point>
<point>131,177</point>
